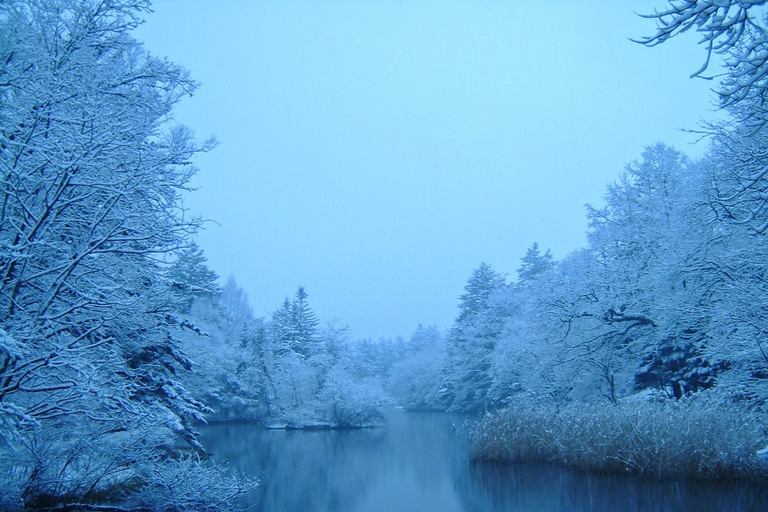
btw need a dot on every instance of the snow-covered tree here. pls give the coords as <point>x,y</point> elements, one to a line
<point>472,340</point>
<point>480,287</point>
<point>345,398</point>
<point>534,264</point>
<point>191,278</point>
<point>234,307</point>
<point>733,29</point>
<point>91,168</point>
<point>304,325</point>
<point>295,361</point>
<point>417,376</point>
<point>227,347</point>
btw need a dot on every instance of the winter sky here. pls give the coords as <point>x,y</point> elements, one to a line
<point>375,152</point>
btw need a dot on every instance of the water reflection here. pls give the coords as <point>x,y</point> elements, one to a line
<point>418,463</point>
<point>540,487</point>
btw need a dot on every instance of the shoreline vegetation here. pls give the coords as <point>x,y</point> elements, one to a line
<point>698,437</point>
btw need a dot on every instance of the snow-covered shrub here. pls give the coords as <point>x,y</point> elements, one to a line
<point>351,404</point>
<point>185,484</point>
<point>79,464</point>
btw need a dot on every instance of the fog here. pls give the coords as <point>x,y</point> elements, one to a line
<point>376,152</point>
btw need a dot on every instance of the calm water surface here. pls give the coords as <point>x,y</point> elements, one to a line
<point>418,463</point>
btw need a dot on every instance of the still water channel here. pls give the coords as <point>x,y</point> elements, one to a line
<point>419,463</point>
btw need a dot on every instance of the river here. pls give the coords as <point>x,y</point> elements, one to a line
<point>418,463</point>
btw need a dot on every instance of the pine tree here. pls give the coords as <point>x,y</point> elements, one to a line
<point>481,285</point>
<point>190,277</point>
<point>534,264</point>
<point>304,325</point>
<point>472,340</point>
<point>281,329</point>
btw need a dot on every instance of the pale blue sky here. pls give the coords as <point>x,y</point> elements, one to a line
<point>376,152</point>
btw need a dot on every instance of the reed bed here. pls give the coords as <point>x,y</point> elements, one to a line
<point>699,437</point>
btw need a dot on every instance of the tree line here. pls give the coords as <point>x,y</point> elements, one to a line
<point>667,298</point>
<point>287,370</point>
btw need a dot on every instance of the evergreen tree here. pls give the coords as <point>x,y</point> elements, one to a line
<point>304,325</point>
<point>534,264</point>
<point>472,341</point>
<point>481,285</point>
<point>281,329</point>
<point>190,277</point>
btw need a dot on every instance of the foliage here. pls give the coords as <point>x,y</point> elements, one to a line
<point>191,278</point>
<point>316,375</point>
<point>350,403</point>
<point>91,171</point>
<point>534,264</point>
<point>227,347</point>
<point>478,291</point>
<point>668,295</point>
<point>416,377</point>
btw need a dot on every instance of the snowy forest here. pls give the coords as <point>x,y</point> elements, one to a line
<point>117,340</point>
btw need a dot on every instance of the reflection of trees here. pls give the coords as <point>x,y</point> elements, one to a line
<point>420,462</point>
<point>335,470</point>
<point>545,487</point>
<point>300,470</point>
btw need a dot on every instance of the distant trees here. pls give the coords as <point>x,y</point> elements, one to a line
<point>191,278</point>
<point>480,287</point>
<point>666,297</point>
<point>416,377</point>
<point>313,372</point>
<point>347,397</point>
<point>303,325</point>
<point>226,345</point>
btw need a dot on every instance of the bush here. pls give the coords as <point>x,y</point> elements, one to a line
<point>701,437</point>
<point>85,465</point>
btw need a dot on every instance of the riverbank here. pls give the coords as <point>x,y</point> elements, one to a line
<point>701,437</point>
